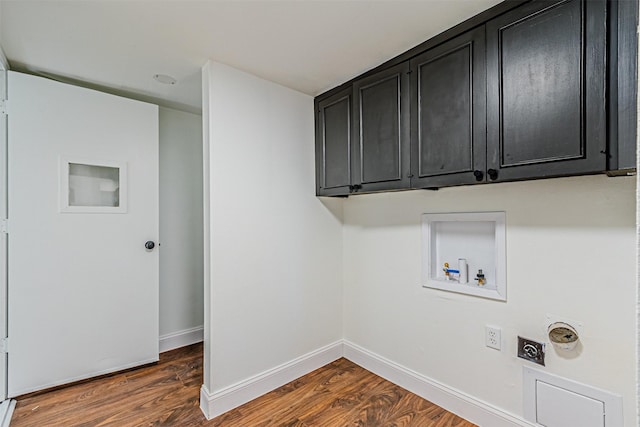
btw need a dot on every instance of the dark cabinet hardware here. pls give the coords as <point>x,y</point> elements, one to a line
<point>478,174</point>
<point>493,174</point>
<point>149,245</point>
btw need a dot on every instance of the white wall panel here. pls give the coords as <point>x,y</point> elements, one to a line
<point>275,249</point>
<point>181,233</point>
<point>570,245</point>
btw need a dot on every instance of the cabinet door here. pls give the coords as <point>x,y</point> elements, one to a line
<point>448,110</point>
<point>623,89</point>
<point>333,145</point>
<point>381,130</point>
<point>545,90</point>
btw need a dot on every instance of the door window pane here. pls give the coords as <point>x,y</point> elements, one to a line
<point>91,185</point>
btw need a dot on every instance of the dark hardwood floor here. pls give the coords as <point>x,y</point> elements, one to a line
<point>167,394</point>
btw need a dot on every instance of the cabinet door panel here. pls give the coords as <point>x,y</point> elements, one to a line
<point>541,84</point>
<point>445,113</point>
<point>333,145</point>
<point>381,117</point>
<point>336,144</point>
<point>448,111</point>
<point>545,86</point>
<point>380,127</point>
<point>623,86</point>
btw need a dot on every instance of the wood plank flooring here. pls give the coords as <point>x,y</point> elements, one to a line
<point>167,394</point>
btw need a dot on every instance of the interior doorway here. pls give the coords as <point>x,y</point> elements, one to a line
<point>83,213</point>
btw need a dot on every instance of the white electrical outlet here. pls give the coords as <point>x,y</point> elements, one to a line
<point>493,337</point>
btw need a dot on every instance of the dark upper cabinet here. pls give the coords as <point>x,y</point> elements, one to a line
<point>623,89</point>
<point>545,90</point>
<point>448,113</point>
<point>333,145</point>
<point>380,153</point>
<point>525,90</point>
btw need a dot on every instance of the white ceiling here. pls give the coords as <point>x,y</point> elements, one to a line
<point>306,45</point>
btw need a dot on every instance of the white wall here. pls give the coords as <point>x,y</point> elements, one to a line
<point>4,66</point>
<point>637,405</point>
<point>181,234</point>
<point>278,260</point>
<point>570,252</point>
<point>275,258</point>
<point>3,63</point>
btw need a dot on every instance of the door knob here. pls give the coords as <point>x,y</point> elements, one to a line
<point>149,245</point>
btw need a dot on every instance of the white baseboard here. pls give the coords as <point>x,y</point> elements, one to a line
<point>219,402</point>
<point>181,338</point>
<point>455,401</point>
<point>468,407</point>
<point>6,412</point>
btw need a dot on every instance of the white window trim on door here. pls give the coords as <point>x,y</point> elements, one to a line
<point>63,184</point>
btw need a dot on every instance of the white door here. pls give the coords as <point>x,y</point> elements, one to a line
<point>83,201</point>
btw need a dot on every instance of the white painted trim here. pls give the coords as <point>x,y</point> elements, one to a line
<point>206,402</point>
<point>181,338</point>
<point>63,185</point>
<point>456,401</point>
<point>468,407</point>
<point>206,217</point>
<point>6,412</point>
<point>219,402</point>
<point>431,272</point>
